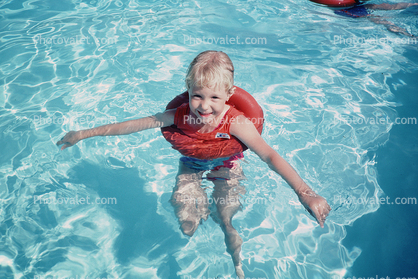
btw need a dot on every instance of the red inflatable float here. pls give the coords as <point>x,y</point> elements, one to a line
<point>214,148</point>
<point>337,3</point>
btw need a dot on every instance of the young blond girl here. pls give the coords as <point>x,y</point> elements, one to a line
<point>210,83</point>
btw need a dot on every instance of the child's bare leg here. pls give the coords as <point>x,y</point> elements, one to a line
<point>387,6</point>
<point>189,200</point>
<point>226,197</point>
<point>390,26</point>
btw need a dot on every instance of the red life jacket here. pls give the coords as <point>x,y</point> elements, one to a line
<point>218,143</point>
<point>337,3</point>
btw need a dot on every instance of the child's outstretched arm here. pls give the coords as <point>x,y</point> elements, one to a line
<point>159,120</point>
<point>246,132</point>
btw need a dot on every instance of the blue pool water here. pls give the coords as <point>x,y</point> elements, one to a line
<point>332,89</point>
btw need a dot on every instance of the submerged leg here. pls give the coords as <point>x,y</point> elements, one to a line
<point>226,197</point>
<point>387,6</point>
<point>391,26</point>
<point>189,199</point>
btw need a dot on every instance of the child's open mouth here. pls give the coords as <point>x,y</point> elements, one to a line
<point>204,114</point>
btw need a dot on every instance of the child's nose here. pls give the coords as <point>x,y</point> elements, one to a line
<point>204,105</point>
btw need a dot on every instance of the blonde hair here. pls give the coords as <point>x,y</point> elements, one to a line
<point>211,69</point>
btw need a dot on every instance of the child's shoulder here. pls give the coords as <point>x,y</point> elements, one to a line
<point>234,112</point>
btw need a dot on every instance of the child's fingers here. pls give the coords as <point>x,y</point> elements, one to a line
<point>65,146</point>
<point>67,140</point>
<point>319,219</point>
<point>322,214</point>
<point>61,141</point>
<point>65,143</point>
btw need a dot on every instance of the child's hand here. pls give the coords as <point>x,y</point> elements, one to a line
<point>69,139</point>
<point>316,205</point>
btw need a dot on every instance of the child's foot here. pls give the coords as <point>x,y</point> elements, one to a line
<point>188,227</point>
<point>233,245</point>
<point>239,271</point>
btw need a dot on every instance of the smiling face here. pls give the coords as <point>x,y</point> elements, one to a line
<point>208,104</point>
<point>210,83</point>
